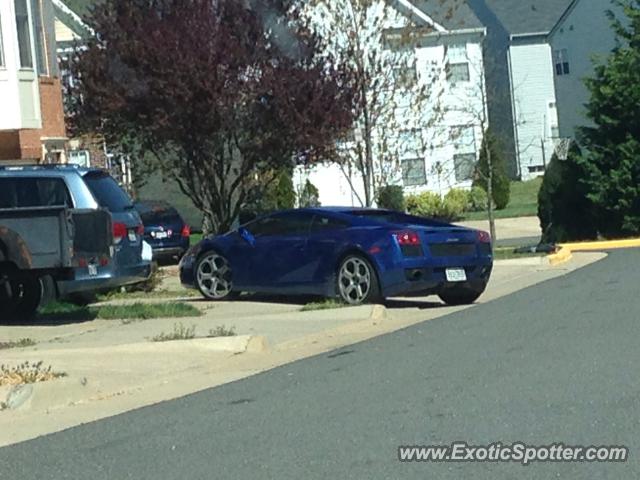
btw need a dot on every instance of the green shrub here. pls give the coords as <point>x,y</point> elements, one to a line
<point>564,210</point>
<point>309,196</point>
<point>280,194</point>
<point>391,197</point>
<point>459,199</point>
<point>430,205</point>
<point>501,186</point>
<point>426,204</point>
<point>477,200</point>
<point>501,191</point>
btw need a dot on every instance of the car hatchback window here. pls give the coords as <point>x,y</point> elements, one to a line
<point>107,192</point>
<point>157,213</point>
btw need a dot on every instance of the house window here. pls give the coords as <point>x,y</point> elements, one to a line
<point>464,164</point>
<point>561,61</point>
<point>414,172</point>
<point>405,77</point>
<point>41,57</point>
<point>457,63</point>
<point>1,46</point>
<point>410,141</point>
<point>24,34</point>
<point>458,72</point>
<point>457,53</point>
<point>464,138</point>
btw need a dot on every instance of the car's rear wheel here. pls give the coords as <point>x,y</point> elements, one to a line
<point>213,277</point>
<point>357,281</point>
<point>460,295</point>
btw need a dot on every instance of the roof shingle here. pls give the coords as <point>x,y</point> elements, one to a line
<point>528,16</point>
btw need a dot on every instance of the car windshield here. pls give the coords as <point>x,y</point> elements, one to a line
<point>107,192</point>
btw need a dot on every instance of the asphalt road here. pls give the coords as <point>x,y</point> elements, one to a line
<point>554,363</point>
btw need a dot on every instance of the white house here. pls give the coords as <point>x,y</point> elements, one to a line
<point>438,141</point>
<point>550,46</point>
<point>582,34</point>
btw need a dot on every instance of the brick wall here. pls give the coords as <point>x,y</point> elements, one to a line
<point>26,145</point>
<point>51,106</point>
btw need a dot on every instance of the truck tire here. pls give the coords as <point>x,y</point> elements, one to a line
<point>7,300</point>
<point>20,297</point>
<point>30,299</point>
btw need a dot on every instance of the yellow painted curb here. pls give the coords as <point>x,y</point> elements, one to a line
<point>602,245</point>
<point>565,253</point>
<point>561,256</point>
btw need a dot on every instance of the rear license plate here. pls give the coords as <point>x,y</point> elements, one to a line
<point>456,275</point>
<point>132,236</point>
<point>161,235</point>
<point>93,270</point>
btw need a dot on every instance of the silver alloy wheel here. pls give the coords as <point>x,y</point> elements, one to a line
<point>354,280</point>
<point>214,276</point>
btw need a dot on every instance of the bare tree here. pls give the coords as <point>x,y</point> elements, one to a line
<point>395,105</point>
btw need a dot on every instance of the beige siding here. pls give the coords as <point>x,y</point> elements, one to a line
<point>64,33</point>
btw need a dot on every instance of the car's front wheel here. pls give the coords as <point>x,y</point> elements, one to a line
<point>460,295</point>
<point>357,281</point>
<point>213,277</point>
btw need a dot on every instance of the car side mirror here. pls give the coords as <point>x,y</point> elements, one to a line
<point>247,236</point>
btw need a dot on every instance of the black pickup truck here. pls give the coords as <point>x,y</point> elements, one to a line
<point>42,245</point>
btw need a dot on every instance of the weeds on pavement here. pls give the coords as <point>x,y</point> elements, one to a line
<point>222,331</point>
<point>27,373</point>
<point>180,332</point>
<point>22,343</point>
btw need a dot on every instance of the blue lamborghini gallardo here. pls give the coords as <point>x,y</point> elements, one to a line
<point>357,255</point>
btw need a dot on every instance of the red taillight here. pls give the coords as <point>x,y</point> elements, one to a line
<point>186,231</point>
<point>119,231</point>
<point>407,238</point>
<point>483,237</point>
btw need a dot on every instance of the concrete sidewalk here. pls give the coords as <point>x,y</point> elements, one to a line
<point>510,228</point>
<point>113,368</point>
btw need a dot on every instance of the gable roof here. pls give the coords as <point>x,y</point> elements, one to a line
<point>521,17</point>
<point>451,14</point>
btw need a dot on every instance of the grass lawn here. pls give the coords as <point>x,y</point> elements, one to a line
<point>523,202</point>
<point>328,304</point>
<point>195,238</point>
<point>125,313</point>
<point>168,294</point>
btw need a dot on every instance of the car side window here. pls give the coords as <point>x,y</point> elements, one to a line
<point>281,225</point>
<point>324,223</point>
<point>33,192</point>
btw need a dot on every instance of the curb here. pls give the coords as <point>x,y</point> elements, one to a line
<point>566,249</point>
<point>561,256</point>
<point>378,313</point>
<point>602,245</point>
